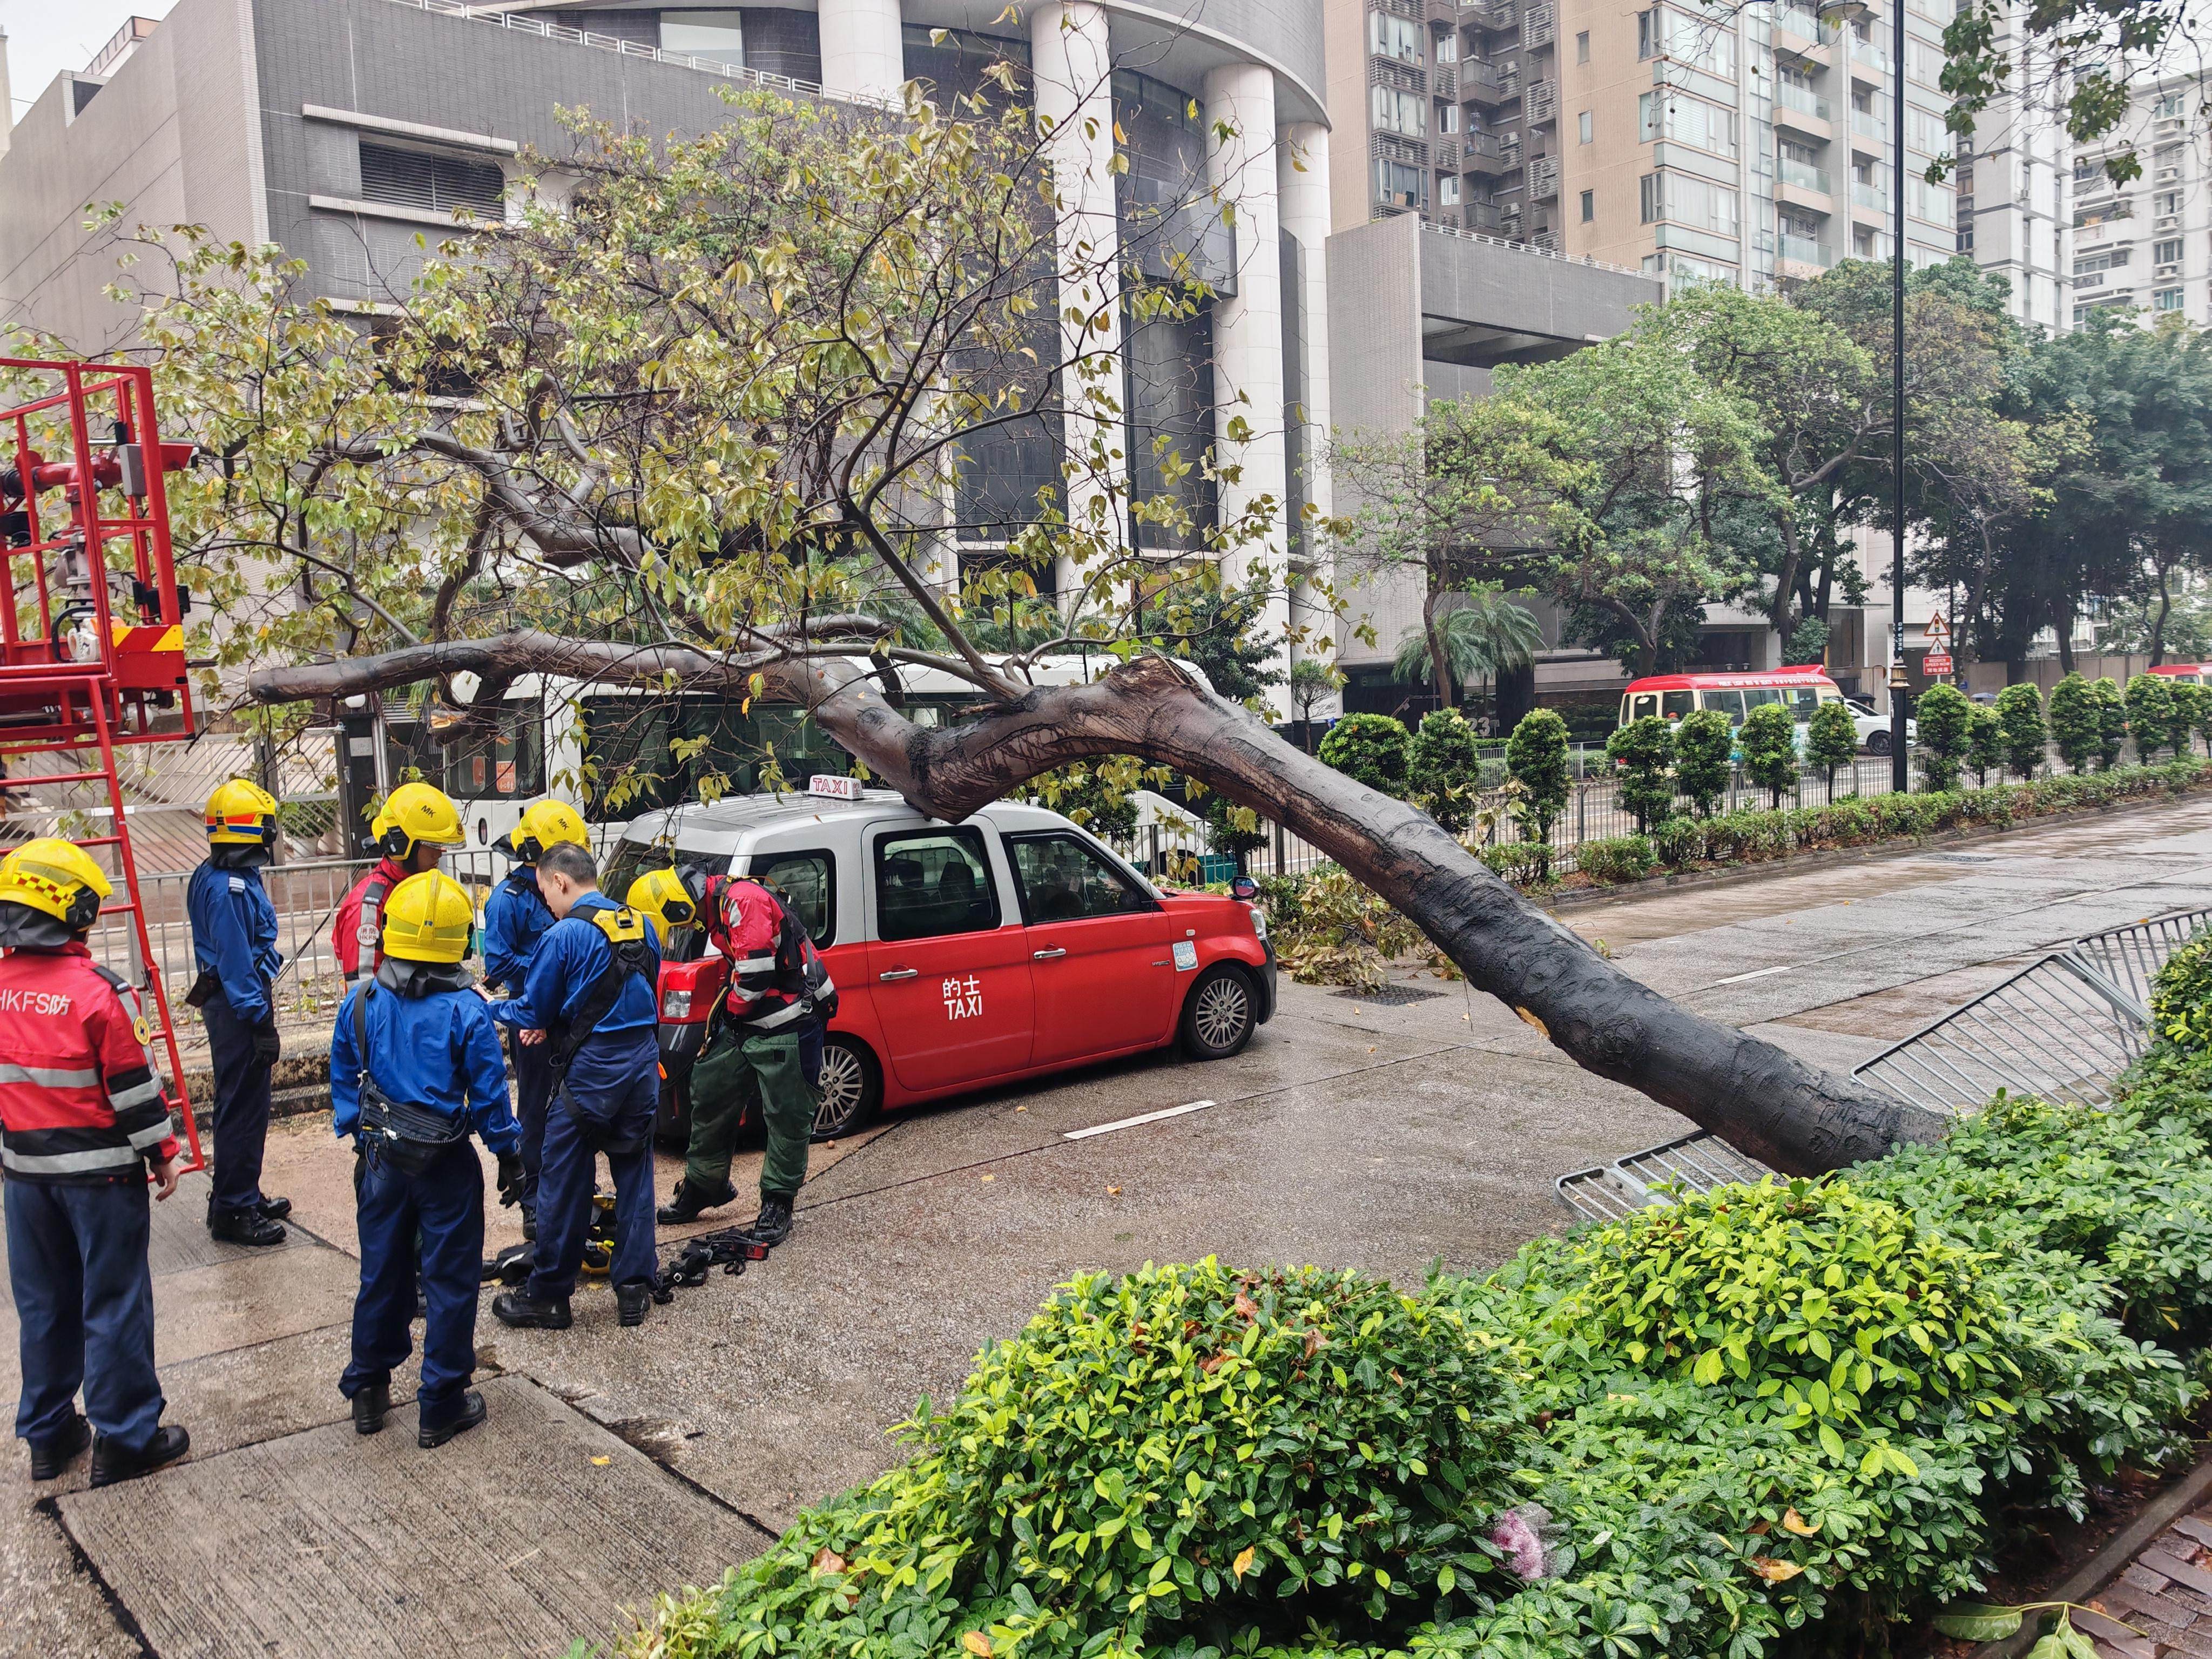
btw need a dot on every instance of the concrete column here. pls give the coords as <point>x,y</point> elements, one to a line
<point>1072,61</point>
<point>1248,327</point>
<point>1305,216</point>
<point>862,55</point>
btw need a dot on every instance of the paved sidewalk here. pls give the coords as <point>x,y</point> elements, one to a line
<point>2161,1602</point>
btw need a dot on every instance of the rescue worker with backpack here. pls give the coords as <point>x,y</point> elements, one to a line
<point>780,994</point>
<point>234,945</point>
<point>415,1066</point>
<point>592,998</point>
<point>515,919</point>
<point>412,831</point>
<point>81,1120</point>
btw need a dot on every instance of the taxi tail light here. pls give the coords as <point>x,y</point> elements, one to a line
<point>675,1004</point>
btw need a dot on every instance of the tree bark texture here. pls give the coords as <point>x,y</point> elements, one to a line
<point>1794,1116</point>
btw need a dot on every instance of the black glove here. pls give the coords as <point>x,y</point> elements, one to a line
<point>510,1180</point>
<point>268,1049</point>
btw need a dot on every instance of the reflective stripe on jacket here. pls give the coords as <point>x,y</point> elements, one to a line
<point>745,924</point>
<point>80,1099</point>
<point>354,931</point>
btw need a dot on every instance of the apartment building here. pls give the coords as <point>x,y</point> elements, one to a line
<point>2146,247</point>
<point>2015,186</point>
<point>1748,144</point>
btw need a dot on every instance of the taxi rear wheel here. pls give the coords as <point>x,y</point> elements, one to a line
<point>852,1090</point>
<point>1220,1012</point>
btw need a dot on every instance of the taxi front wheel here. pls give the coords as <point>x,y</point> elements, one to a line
<point>852,1090</point>
<point>1219,1015</point>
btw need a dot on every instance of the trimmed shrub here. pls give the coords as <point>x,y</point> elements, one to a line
<point>1536,756</point>
<point>2181,998</point>
<point>1679,841</point>
<point>2073,723</point>
<point>1444,769</point>
<point>1643,753</point>
<point>2192,704</point>
<point>1524,862</point>
<point>2150,714</point>
<point>1371,748</point>
<point>2020,712</point>
<point>1616,858</point>
<point>1769,742</point>
<point>1984,744</point>
<point>1704,747</point>
<point>1230,830</point>
<point>2112,722</point>
<point>1832,738</point>
<point>1944,720</point>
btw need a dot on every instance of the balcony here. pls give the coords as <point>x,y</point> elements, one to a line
<point>1487,84</point>
<point>1489,13</point>
<point>1491,153</point>
<point>1444,82</point>
<point>1871,198</point>
<point>1403,78</point>
<point>1867,125</point>
<point>1543,101</point>
<point>1544,178</point>
<point>1806,250</point>
<point>1481,215</point>
<point>1795,23</point>
<point>1797,110</point>
<point>1805,176</point>
<point>1538,26</point>
<point>1870,63</point>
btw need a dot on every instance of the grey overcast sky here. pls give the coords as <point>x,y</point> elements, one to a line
<point>45,37</point>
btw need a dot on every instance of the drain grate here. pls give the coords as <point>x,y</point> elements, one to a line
<point>1392,996</point>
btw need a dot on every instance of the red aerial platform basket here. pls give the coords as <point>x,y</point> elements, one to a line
<point>91,650</point>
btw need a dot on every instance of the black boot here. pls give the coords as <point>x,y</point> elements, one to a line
<point>773,1224</point>
<point>685,1205</point>
<point>527,1312</point>
<point>632,1299</point>
<point>369,1406</point>
<point>470,1413</point>
<point>244,1227</point>
<point>276,1209</point>
<point>111,1463</point>
<point>54,1454</point>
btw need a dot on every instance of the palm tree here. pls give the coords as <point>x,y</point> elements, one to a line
<point>1473,640</point>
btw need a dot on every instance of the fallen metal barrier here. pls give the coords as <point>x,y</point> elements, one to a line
<point>2063,1028</point>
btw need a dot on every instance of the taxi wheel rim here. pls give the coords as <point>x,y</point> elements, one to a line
<point>1223,1010</point>
<point>842,1083</point>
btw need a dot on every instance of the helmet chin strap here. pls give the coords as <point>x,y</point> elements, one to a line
<point>419,979</point>
<point>22,928</point>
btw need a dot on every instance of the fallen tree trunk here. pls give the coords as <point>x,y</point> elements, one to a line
<point>1794,1116</point>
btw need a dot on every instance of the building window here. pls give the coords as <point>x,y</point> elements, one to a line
<point>2165,299</point>
<point>1399,184</point>
<point>2108,259</point>
<point>2167,253</point>
<point>2165,203</point>
<point>1406,112</point>
<point>1647,34</point>
<point>427,180</point>
<point>2166,107</point>
<point>1394,37</point>
<point>1687,201</point>
<point>1447,118</point>
<point>1590,206</point>
<point>1651,198</point>
<point>1582,47</point>
<point>1448,47</point>
<point>1583,126</point>
<point>1448,189</point>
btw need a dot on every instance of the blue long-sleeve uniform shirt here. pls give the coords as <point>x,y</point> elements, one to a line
<point>235,936</point>
<point>515,919</point>
<point>441,1051</point>
<point>568,962</point>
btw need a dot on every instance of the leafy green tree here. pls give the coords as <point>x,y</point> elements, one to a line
<point>1233,831</point>
<point>2189,700</point>
<point>2073,723</point>
<point>1536,758</point>
<point>1769,741</point>
<point>1985,751</point>
<point>1643,754</point>
<point>2150,714</point>
<point>2020,712</point>
<point>1832,738</point>
<point>1314,681</point>
<point>1373,749</point>
<point>1444,767</point>
<point>2204,716</point>
<point>1943,719</point>
<point>1100,794</point>
<point>1705,750</point>
<point>2111,722</point>
<point>1482,637</point>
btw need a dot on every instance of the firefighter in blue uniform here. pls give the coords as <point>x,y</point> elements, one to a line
<point>415,1064</point>
<point>515,919</point>
<point>235,944</point>
<point>591,997</point>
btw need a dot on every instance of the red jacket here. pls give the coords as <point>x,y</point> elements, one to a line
<point>80,1100</point>
<point>360,913</point>
<point>744,922</point>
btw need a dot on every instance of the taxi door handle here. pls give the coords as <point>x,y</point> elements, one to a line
<point>900,973</point>
<point>1047,956</point>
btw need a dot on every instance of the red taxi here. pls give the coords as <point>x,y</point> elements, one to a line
<point>966,955</point>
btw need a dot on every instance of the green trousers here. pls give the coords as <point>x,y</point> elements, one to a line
<point>734,1068</point>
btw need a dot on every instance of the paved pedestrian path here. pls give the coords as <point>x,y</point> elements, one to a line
<point>2161,1602</point>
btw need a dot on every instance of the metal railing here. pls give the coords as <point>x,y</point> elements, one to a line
<point>2130,957</point>
<point>1804,175</point>
<point>1807,250</point>
<point>1787,96</point>
<point>1694,1163</point>
<point>1536,252</point>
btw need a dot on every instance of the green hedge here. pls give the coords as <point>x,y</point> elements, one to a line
<point>1766,1419</point>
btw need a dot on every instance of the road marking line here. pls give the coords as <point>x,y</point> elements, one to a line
<point>1756,972</point>
<point>1131,1122</point>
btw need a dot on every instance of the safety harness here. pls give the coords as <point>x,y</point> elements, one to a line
<point>629,952</point>
<point>409,1136</point>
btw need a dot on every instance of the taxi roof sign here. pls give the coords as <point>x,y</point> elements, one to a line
<point>837,788</point>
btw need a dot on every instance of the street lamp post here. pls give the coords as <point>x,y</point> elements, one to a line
<point>1899,777</point>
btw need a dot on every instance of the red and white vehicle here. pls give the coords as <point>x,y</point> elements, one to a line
<point>2190,673</point>
<point>965,955</point>
<point>1800,689</point>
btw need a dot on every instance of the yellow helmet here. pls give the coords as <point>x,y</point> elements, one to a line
<point>241,813</point>
<point>428,918</point>
<point>543,823</point>
<point>415,812</point>
<point>661,894</point>
<point>58,878</point>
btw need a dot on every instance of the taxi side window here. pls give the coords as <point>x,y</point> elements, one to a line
<point>934,882</point>
<point>1062,879</point>
<point>806,882</point>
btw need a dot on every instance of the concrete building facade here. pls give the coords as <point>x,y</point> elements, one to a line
<point>2015,187</point>
<point>2146,246</point>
